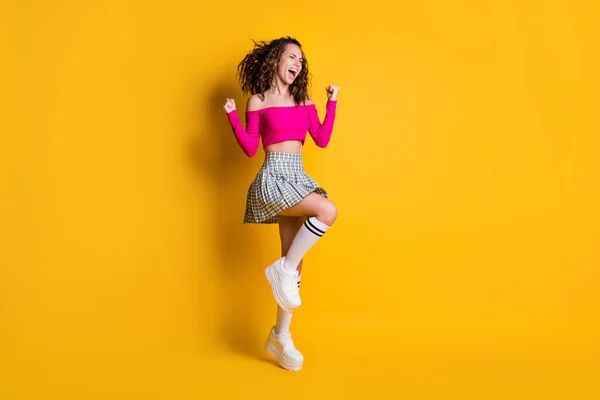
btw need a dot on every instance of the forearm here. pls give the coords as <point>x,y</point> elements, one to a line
<point>248,141</point>
<point>321,132</point>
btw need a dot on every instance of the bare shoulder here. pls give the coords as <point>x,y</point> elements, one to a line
<point>254,103</point>
<point>309,101</point>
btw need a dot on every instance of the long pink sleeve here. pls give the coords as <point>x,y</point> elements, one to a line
<point>248,138</point>
<point>321,133</point>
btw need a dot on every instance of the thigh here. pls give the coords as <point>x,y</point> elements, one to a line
<point>288,228</point>
<point>311,205</point>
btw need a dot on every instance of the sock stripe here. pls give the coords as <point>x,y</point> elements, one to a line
<point>312,230</point>
<point>311,227</point>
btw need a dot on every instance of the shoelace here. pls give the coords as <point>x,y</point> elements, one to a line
<point>286,341</point>
<point>292,282</point>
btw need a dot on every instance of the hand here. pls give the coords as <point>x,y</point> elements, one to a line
<point>332,92</point>
<point>229,105</point>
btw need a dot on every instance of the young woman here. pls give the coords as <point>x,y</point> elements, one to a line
<point>280,112</point>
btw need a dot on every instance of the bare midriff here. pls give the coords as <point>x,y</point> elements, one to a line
<point>288,146</point>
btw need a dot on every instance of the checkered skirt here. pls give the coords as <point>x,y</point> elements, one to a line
<point>280,183</point>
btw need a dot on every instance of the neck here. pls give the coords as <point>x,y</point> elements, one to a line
<point>279,88</point>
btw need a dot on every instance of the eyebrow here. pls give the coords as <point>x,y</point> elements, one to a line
<point>297,56</point>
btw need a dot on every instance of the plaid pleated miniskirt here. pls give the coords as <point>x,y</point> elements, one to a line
<point>280,183</point>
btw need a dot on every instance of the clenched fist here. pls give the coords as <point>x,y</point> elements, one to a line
<point>332,92</point>
<point>229,105</point>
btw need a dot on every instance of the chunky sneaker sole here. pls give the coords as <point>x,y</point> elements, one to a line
<point>292,361</point>
<point>278,277</point>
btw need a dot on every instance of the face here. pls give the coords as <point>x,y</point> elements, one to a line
<point>290,63</point>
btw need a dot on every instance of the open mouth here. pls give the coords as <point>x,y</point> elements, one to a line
<point>293,72</point>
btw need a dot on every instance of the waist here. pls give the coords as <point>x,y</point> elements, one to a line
<point>286,146</point>
<point>278,161</point>
<point>274,138</point>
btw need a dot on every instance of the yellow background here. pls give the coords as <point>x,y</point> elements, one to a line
<point>464,263</point>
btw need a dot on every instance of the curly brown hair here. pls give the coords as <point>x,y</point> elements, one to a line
<point>256,70</point>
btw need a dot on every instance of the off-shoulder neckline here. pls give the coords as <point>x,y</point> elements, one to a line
<point>266,108</point>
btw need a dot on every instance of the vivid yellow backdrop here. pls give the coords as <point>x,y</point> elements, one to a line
<point>464,263</point>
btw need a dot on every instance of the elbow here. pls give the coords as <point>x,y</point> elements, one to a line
<point>251,152</point>
<point>322,142</point>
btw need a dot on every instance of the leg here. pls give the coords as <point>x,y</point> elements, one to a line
<point>321,215</point>
<point>288,228</point>
<point>283,274</point>
<point>280,344</point>
<point>314,205</point>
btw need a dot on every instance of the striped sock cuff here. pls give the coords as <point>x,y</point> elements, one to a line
<point>315,226</point>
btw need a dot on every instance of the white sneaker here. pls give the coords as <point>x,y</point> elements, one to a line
<point>284,285</point>
<point>282,348</point>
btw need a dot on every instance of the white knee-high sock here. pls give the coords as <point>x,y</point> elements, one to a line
<point>307,236</point>
<point>284,319</point>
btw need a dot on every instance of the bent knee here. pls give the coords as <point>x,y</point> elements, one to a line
<point>328,213</point>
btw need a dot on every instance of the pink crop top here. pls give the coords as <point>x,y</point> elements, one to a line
<point>280,123</point>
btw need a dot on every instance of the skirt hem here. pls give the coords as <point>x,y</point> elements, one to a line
<point>272,219</point>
